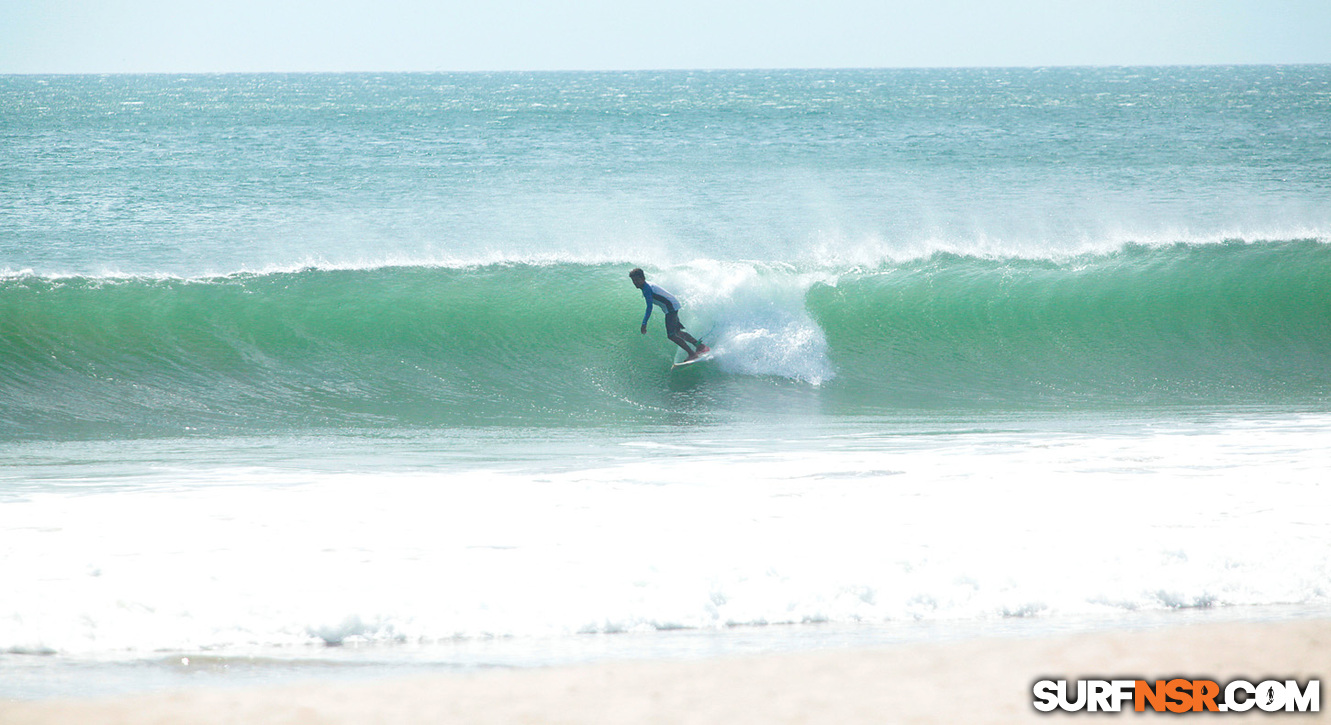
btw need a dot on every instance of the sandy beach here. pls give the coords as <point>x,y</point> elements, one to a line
<point>979,681</point>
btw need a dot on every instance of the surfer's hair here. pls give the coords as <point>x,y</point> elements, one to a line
<point>637,273</point>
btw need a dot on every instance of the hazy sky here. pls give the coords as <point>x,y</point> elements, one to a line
<point>108,36</point>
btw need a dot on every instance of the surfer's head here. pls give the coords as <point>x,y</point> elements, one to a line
<point>638,277</point>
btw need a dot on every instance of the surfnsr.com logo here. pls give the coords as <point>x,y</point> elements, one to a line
<point>1177,695</point>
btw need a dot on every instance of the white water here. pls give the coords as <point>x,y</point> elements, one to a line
<point>672,532</point>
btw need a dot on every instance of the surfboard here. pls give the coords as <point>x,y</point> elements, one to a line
<point>705,356</point>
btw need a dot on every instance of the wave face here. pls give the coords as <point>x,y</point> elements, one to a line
<point>557,344</point>
<point>312,348</point>
<point>1229,323</point>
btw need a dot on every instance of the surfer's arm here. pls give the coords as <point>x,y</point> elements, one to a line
<point>647,294</point>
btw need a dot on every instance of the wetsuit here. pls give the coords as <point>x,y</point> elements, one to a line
<point>668,304</point>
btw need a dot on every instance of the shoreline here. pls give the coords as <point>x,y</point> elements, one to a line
<point>985,680</point>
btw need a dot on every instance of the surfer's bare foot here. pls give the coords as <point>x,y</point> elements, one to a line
<point>692,356</point>
<point>702,350</point>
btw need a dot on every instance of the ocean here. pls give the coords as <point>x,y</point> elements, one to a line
<point>324,376</point>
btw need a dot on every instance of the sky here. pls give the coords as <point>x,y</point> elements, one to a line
<point>191,36</point>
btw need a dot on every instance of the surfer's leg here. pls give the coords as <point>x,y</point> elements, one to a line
<point>699,348</point>
<point>698,344</point>
<point>675,329</point>
<point>675,332</point>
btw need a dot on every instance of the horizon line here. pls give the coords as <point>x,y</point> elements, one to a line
<point>752,69</point>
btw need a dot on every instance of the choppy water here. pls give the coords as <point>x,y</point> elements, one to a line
<point>297,361</point>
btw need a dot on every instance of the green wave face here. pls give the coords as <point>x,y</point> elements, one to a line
<point>558,344</point>
<point>411,346</point>
<point>1228,324</point>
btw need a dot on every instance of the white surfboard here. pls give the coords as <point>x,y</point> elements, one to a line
<point>705,356</point>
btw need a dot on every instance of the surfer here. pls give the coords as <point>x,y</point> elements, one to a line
<point>667,302</point>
